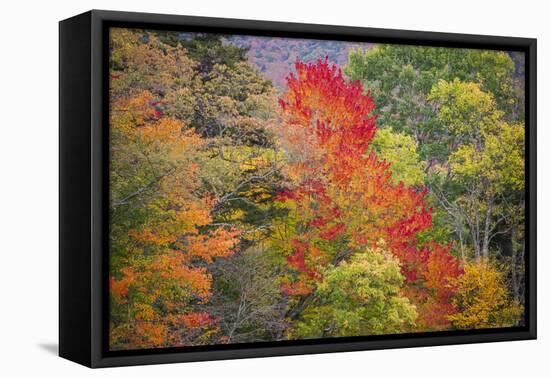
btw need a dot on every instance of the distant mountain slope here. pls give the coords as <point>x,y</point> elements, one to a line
<point>275,57</point>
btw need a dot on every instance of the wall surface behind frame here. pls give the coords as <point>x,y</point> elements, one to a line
<point>29,188</point>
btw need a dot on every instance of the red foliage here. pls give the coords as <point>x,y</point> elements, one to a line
<point>297,259</point>
<point>318,222</point>
<point>431,273</point>
<point>332,232</point>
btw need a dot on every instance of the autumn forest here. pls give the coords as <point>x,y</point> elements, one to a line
<point>270,189</point>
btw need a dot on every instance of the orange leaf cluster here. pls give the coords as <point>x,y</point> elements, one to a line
<point>198,320</point>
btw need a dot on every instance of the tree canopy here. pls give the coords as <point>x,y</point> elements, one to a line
<point>383,197</point>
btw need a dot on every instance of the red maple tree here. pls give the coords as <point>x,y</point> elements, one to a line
<point>343,194</point>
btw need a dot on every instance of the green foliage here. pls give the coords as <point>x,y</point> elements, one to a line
<point>490,148</point>
<point>487,164</point>
<point>209,50</point>
<point>500,162</point>
<point>465,109</point>
<point>359,297</point>
<point>400,150</point>
<point>401,77</point>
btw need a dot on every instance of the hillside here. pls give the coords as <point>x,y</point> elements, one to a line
<point>275,57</point>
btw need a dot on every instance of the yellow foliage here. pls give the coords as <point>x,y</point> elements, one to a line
<point>482,299</point>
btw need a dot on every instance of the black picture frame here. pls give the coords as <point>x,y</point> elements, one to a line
<point>84,191</point>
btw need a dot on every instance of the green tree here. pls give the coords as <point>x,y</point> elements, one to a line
<point>400,77</point>
<point>209,49</point>
<point>487,165</point>
<point>361,296</point>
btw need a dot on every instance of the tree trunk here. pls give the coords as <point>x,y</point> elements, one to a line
<point>475,229</point>
<point>461,241</point>
<point>515,281</point>
<point>521,283</point>
<point>485,247</point>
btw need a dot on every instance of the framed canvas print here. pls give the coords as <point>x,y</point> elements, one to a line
<point>234,188</point>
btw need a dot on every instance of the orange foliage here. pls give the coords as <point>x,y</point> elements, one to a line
<point>197,320</point>
<point>296,288</point>
<point>131,113</point>
<point>149,335</point>
<point>218,243</point>
<point>162,283</point>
